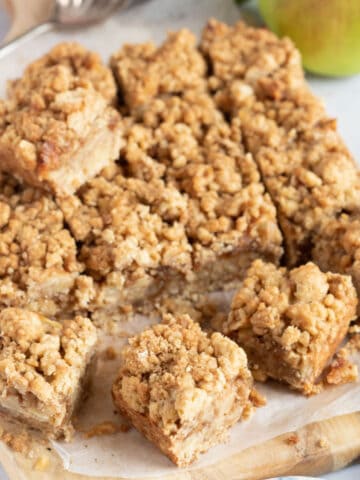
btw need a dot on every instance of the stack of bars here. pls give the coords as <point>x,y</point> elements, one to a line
<point>178,171</point>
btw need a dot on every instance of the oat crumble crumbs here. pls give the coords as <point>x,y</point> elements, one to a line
<point>106,428</point>
<point>282,318</point>
<point>55,116</point>
<point>292,439</point>
<point>42,365</point>
<point>341,370</point>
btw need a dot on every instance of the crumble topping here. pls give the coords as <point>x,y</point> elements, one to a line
<point>145,71</point>
<point>42,357</point>
<point>172,371</point>
<point>253,54</point>
<point>128,235</point>
<point>38,265</point>
<point>52,115</point>
<point>201,155</point>
<point>258,79</point>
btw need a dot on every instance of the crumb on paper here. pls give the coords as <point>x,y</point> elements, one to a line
<point>257,398</point>
<point>341,370</point>
<point>42,463</point>
<point>18,442</point>
<point>110,353</point>
<point>258,374</point>
<point>292,439</point>
<point>323,442</point>
<point>106,428</point>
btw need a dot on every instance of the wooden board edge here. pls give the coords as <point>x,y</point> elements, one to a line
<point>315,449</point>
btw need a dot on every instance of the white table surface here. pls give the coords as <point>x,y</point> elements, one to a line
<point>344,92</point>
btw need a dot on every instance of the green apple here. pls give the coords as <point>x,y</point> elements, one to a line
<point>327,32</point>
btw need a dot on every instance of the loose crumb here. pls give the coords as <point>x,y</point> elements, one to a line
<point>257,399</point>
<point>106,428</point>
<point>42,463</point>
<point>342,370</point>
<point>18,442</point>
<point>323,442</point>
<point>292,439</point>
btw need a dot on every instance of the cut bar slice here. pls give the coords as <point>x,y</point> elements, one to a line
<point>38,264</point>
<point>182,388</point>
<point>337,247</point>
<point>309,173</point>
<point>290,323</point>
<point>145,71</point>
<point>57,130</point>
<point>43,368</point>
<point>185,211</point>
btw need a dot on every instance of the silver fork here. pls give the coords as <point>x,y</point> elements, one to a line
<point>67,13</point>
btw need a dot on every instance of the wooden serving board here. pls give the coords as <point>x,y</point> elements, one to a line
<point>320,448</point>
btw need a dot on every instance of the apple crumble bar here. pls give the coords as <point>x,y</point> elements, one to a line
<point>337,246</point>
<point>57,129</point>
<point>38,265</point>
<point>182,388</point>
<point>43,368</point>
<point>144,71</point>
<point>258,79</point>
<point>290,322</point>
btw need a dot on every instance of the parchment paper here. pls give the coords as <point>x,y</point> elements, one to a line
<point>129,454</point>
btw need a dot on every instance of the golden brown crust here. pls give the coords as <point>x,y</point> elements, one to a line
<point>192,148</point>
<point>42,363</point>
<point>185,199</point>
<point>291,322</point>
<point>144,71</point>
<point>54,119</point>
<point>173,377</point>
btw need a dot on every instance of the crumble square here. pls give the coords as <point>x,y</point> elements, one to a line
<point>57,129</point>
<point>38,265</point>
<point>43,368</point>
<point>290,322</point>
<point>127,247</point>
<point>337,246</point>
<point>80,62</point>
<point>182,388</point>
<point>144,71</point>
<point>309,173</point>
